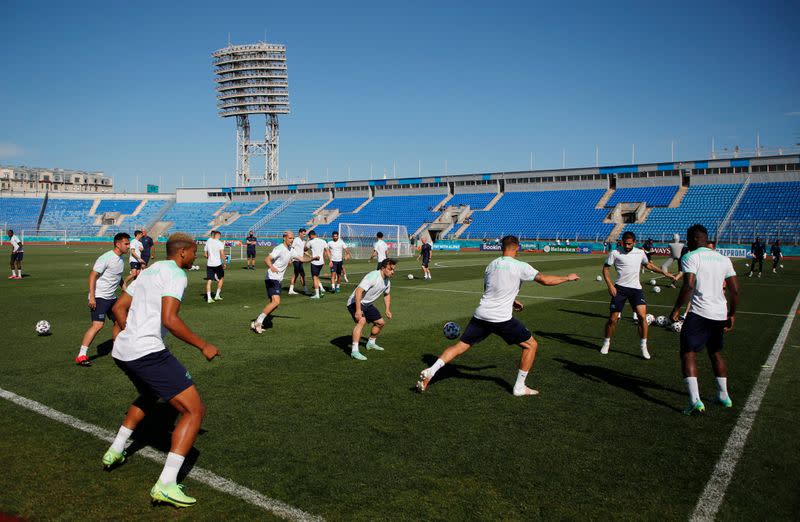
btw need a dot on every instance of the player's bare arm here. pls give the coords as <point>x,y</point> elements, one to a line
<point>609,283</point>
<point>733,301</point>
<point>553,280</point>
<point>689,282</point>
<point>121,308</point>
<point>172,322</point>
<point>92,284</point>
<point>387,301</point>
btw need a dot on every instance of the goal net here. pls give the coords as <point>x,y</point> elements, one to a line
<point>360,239</point>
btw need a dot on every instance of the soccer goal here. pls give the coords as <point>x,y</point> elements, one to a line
<point>53,236</point>
<point>360,239</point>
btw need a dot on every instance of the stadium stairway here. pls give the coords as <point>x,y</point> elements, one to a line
<point>678,197</point>
<point>603,200</point>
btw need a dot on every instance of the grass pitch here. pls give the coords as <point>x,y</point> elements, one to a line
<point>291,416</point>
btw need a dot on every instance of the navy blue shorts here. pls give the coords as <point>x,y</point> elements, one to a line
<point>371,314</point>
<point>103,309</point>
<point>624,293</point>
<point>145,258</point>
<point>273,287</point>
<point>215,273</point>
<point>337,268</point>
<point>511,331</point>
<point>697,332</point>
<point>425,262</point>
<point>316,269</point>
<point>298,268</point>
<point>135,265</point>
<point>17,257</point>
<point>157,374</point>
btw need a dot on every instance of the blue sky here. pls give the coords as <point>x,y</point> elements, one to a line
<point>127,88</point>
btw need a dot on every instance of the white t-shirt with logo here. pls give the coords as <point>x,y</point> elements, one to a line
<point>317,247</point>
<point>15,243</point>
<point>381,248</point>
<point>136,246</point>
<point>628,265</point>
<point>213,248</point>
<point>144,333</point>
<point>110,267</point>
<point>298,247</point>
<point>337,249</point>
<point>374,286</point>
<point>711,269</point>
<point>281,257</point>
<point>501,282</point>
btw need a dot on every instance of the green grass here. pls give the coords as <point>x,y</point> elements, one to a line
<point>292,416</point>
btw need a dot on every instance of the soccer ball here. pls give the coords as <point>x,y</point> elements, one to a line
<point>599,278</point>
<point>410,276</point>
<point>42,328</point>
<point>652,282</point>
<point>676,326</point>
<point>451,330</point>
<point>661,320</point>
<point>650,318</point>
<point>657,289</point>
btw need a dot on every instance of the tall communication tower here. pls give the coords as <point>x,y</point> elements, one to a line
<point>252,79</point>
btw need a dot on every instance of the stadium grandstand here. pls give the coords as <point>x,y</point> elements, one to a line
<point>736,199</point>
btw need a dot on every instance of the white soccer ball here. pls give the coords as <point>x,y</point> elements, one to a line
<point>662,320</point>
<point>451,330</point>
<point>599,278</point>
<point>650,318</point>
<point>781,266</point>
<point>657,289</point>
<point>676,326</point>
<point>410,276</point>
<point>652,282</point>
<point>42,328</point>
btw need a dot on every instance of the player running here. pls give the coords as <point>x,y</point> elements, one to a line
<point>675,252</point>
<point>379,249</point>
<point>214,250</point>
<point>374,284</point>
<point>318,248</point>
<point>628,288</point>
<point>147,309</point>
<point>135,257</point>
<point>777,256</point>
<point>502,281</point>
<point>758,251</point>
<point>298,249</point>
<point>706,275</point>
<point>104,280</point>
<point>338,252</point>
<point>16,255</point>
<point>251,243</point>
<point>425,253</point>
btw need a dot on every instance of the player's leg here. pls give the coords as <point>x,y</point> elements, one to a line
<point>295,272</point>
<point>220,282</point>
<point>610,328</point>
<point>760,265</point>
<point>13,266</point>
<point>752,267</point>
<point>210,275</point>
<point>693,338</point>
<point>476,331</point>
<point>19,266</point>
<point>641,313</point>
<point>136,413</point>
<point>714,344</point>
<point>83,359</point>
<point>355,353</point>
<point>377,326</point>
<point>272,305</point>
<point>526,360</point>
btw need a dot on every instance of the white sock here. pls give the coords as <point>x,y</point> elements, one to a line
<point>208,295</point>
<point>692,387</point>
<point>316,292</point>
<point>607,341</point>
<point>217,294</point>
<point>521,376</point>
<point>436,367</point>
<point>643,343</point>
<point>291,288</point>
<point>371,340</point>
<point>122,437</point>
<point>260,319</point>
<point>171,468</point>
<point>84,351</point>
<point>355,347</point>
<point>722,386</point>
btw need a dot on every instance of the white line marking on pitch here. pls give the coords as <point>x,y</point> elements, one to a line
<point>199,474</point>
<point>714,492</point>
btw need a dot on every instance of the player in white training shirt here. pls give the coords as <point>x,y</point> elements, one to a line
<point>104,280</point>
<point>214,251</point>
<point>379,249</point>
<point>338,252</point>
<point>16,255</point>
<point>627,288</point>
<point>374,284</point>
<point>706,275</point>
<point>501,283</point>
<point>147,310</point>
<point>135,257</point>
<point>318,248</point>
<point>298,248</point>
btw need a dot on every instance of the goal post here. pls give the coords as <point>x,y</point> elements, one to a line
<point>44,236</point>
<point>360,238</point>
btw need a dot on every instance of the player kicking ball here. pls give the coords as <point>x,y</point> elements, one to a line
<point>149,306</point>
<point>502,281</point>
<point>374,284</point>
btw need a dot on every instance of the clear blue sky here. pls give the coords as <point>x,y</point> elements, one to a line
<point>128,89</point>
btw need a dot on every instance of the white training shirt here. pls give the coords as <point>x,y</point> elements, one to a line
<point>711,269</point>
<point>298,247</point>
<point>281,257</point>
<point>501,282</point>
<point>337,249</point>
<point>373,285</point>
<point>213,248</point>
<point>381,248</point>
<point>15,243</point>
<point>136,246</point>
<point>110,267</point>
<point>144,333</point>
<point>627,265</point>
<point>317,247</point>
<point>675,249</point>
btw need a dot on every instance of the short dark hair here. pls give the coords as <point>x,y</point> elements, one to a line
<point>312,233</point>
<point>508,241</point>
<point>214,232</point>
<point>697,232</point>
<point>10,232</point>
<point>120,236</point>
<point>379,235</point>
<point>136,233</point>
<point>301,230</point>
<point>628,234</point>
<point>335,233</point>
<point>386,262</point>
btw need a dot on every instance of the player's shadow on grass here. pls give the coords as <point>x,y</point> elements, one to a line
<point>635,384</point>
<point>461,371</point>
<point>103,349</point>
<point>586,314</point>
<point>577,340</point>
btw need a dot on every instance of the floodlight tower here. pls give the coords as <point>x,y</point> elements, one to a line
<point>252,79</point>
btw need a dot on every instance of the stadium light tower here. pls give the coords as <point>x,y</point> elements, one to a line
<point>253,79</point>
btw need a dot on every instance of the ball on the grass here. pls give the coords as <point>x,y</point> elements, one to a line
<point>650,318</point>
<point>661,320</point>
<point>42,328</point>
<point>657,289</point>
<point>451,330</point>
<point>676,326</point>
<point>599,278</point>
<point>652,282</point>
<point>410,276</point>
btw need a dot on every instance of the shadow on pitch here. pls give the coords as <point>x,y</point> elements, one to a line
<point>462,371</point>
<point>585,314</point>
<point>579,341</point>
<point>103,349</point>
<point>635,384</point>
